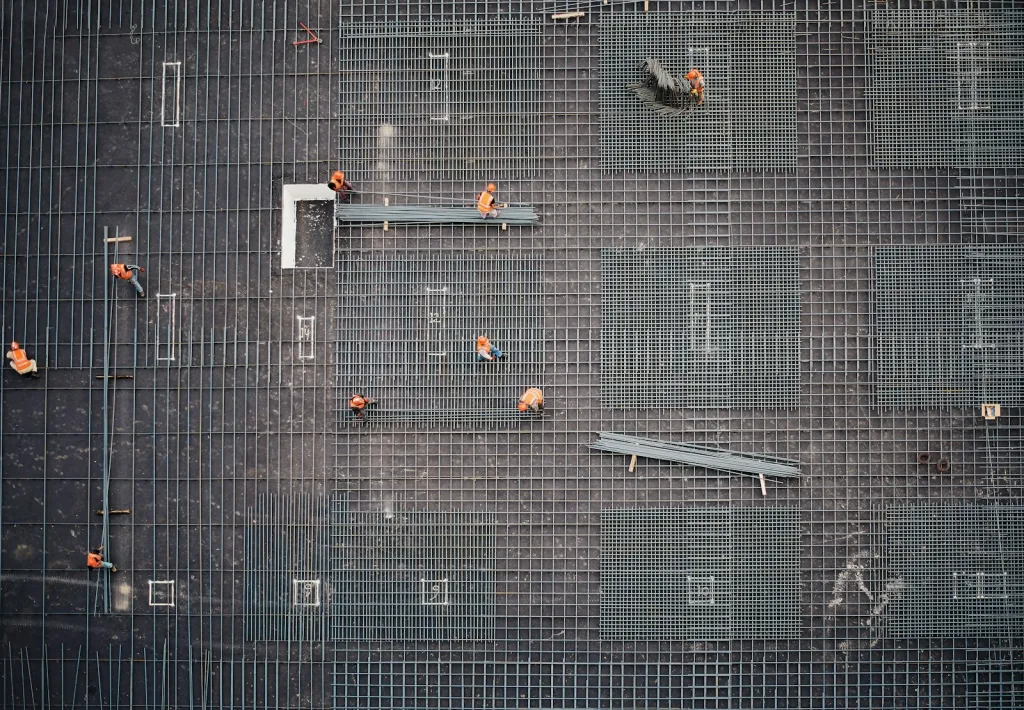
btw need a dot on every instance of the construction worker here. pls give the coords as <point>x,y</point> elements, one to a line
<point>485,202</point>
<point>94,560</point>
<point>532,400</point>
<point>696,80</point>
<point>485,350</point>
<point>339,184</point>
<point>20,362</point>
<point>129,272</point>
<point>358,403</point>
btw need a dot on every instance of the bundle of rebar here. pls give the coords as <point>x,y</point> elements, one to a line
<point>692,455</point>
<point>660,91</point>
<point>522,215</point>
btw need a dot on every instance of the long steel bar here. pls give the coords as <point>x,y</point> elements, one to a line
<point>429,214</point>
<point>714,459</point>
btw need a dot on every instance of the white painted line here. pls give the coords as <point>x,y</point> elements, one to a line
<point>170,95</point>
<point>169,323</point>
<point>307,326</point>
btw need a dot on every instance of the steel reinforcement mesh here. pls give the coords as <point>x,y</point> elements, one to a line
<point>178,123</point>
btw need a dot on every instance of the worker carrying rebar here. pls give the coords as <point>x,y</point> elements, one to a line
<point>696,80</point>
<point>129,272</point>
<point>486,350</point>
<point>20,362</point>
<point>532,400</point>
<point>339,184</point>
<point>357,403</point>
<point>94,560</point>
<point>485,202</point>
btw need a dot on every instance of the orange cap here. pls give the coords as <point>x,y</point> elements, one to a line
<point>481,340</point>
<point>491,187</point>
<point>522,406</point>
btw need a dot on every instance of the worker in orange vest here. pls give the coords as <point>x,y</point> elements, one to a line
<point>20,362</point>
<point>485,202</point>
<point>94,560</point>
<point>358,403</point>
<point>532,400</point>
<point>129,272</point>
<point>696,80</point>
<point>485,350</point>
<point>339,184</point>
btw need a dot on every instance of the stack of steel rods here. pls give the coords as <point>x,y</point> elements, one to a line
<point>428,214</point>
<point>688,454</point>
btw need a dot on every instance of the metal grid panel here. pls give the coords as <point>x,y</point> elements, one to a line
<point>411,99</point>
<point>407,328</point>
<point>946,87</point>
<point>710,573</point>
<point>741,124</point>
<point>700,327</point>
<point>950,325</point>
<point>285,568</point>
<point>408,575</point>
<point>957,570</point>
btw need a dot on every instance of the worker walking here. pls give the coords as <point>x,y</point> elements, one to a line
<point>358,403</point>
<point>532,400</point>
<point>339,184</point>
<point>486,350</point>
<point>129,272</point>
<point>696,80</point>
<point>20,362</point>
<point>94,560</point>
<point>485,202</point>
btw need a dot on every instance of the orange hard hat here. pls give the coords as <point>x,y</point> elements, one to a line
<point>481,340</point>
<point>356,400</point>
<point>522,406</point>
<point>14,345</point>
<point>491,187</point>
<point>693,74</point>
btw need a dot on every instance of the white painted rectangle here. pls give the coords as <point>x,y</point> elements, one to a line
<point>700,317</point>
<point>290,194</point>
<point>434,592</point>
<point>170,95</point>
<point>972,75</point>
<point>440,94</point>
<point>306,592</point>
<point>436,306</point>
<point>166,327</point>
<point>161,592</point>
<point>306,328</point>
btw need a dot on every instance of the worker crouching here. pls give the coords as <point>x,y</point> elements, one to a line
<point>532,401</point>
<point>20,362</point>
<point>696,80</point>
<point>358,403</point>
<point>486,350</point>
<point>339,184</point>
<point>94,560</point>
<point>485,203</point>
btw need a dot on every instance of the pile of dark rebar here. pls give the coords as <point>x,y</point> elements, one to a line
<point>428,214</point>
<point>691,455</point>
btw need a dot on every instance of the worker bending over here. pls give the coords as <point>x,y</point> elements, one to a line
<point>129,272</point>
<point>358,403</point>
<point>94,560</point>
<point>20,362</point>
<point>532,400</point>
<point>696,80</point>
<point>485,350</point>
<point>339,184</point>
<point>485,202</point>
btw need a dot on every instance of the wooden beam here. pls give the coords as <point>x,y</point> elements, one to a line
<point>632,463</point>
<point>567,15</point>
<point>764,487</point>
<point>118,239</point>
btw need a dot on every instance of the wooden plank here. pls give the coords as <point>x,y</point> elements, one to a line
<point>118,239</point>
<point>632,463</point>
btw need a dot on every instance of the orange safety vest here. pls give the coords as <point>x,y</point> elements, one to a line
<point>94,561</point>
<point>532,397</point>
<point>120,271</point>
<point>21,362</point>
<point>485,203</point>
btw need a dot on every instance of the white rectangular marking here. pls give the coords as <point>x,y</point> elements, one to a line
<point>170,95</point>
<point>161,592</point>
<point>700,317</point>
<point>440,95</point>
<point>306,592</point>
<point>307,326</point>
<point>168,323</point>
<point>434,592</point>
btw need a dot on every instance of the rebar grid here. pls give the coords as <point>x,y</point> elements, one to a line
<point>242,413</point>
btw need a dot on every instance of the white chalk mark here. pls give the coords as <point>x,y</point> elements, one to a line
<point>170,95</point>
<point>161,592</point>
